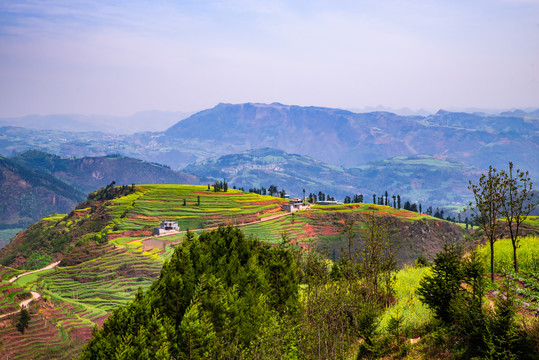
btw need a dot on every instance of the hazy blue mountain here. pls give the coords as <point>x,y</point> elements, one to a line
<point>27,195</point>
<point>336,137</point>
<point>138,122</point>
<point>431,180</point>
<point>343,138</point>
<point>91,173</point>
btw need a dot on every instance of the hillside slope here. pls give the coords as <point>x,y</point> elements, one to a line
<point>91,173</point>
<point>27,195</point>
<point>431,180</point>
<point>107,251</point>
<point>343,138</point>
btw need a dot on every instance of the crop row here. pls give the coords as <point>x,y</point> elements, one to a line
<point>57,333</point>
<point>105,282</point>
<point>153,203</point>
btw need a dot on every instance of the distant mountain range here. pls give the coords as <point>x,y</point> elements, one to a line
<point>26,195</point>
<point>35,184</point>
<point>91,173</point>
<point>139,122</point>
<point>432,180</point>
<point>336,137</point>
<point>426,157</point>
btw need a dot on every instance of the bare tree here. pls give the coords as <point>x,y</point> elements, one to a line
<point>489,196</point>
<point>518,204</point>
<point>378,257</point>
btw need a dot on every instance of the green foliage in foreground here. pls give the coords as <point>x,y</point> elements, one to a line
<point>413,313</point>
<point>456,291</point>
<point>216,296</point>
<point>24,319</point>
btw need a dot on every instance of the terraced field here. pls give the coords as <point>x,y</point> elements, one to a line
<point>203,208</point>
<point>322,226</point>
<point>94,278</point>
<point>78,297</point>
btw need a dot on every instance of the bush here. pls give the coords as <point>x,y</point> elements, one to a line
<point>439,289</point>
<point>22,324</point>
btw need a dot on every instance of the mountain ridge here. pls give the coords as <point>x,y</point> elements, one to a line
<point>335,136</point>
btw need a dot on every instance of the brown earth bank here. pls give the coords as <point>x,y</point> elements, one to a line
<point>411,238</point>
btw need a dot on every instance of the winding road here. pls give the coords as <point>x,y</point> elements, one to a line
<point>35,295</point>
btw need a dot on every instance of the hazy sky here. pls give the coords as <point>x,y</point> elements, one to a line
<point>120,57</point>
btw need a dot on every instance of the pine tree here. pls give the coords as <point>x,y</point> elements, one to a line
<point>24,319</point>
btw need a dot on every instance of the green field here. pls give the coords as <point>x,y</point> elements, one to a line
<point>413,312</point>
<point>153,203</point>
<point>104,276</point>
<point>527,255</point>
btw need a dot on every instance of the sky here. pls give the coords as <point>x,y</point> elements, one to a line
<point>119,57</point>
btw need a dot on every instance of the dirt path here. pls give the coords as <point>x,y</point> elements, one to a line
<point>50,266</point>
<point>35,295</point>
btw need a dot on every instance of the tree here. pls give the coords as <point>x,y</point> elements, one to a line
<point>517,205</point>
<point>378,257</point>
<point>489,196</point>
<point>272,190</point>
<point>374,198</point>
<point>407,205</point>
<point>350,234</point>
<point>398,201</point>
<point>22,324</point>
<point>439,289</point>
<point>347,199</point>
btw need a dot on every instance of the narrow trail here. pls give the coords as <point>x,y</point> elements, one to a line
<point>35,295</point>
<point>50,266</point>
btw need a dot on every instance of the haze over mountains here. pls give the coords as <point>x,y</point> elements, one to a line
<point>138,122</point>
<point>423,158</point>
<point>35,184</point>
<point>337,137</point>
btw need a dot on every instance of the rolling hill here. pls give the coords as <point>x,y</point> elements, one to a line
<point>431,180</point>
<point>107,252</point>
<point>336,137</point>
<point>343,138</point>
<point>27,195</point>
<point>91,173</point>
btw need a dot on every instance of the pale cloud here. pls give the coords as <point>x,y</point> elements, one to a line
<point>94,57</point>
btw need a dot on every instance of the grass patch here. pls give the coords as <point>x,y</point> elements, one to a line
<point>527,255</point>
<point>414,313</point>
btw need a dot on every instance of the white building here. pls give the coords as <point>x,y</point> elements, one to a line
<point>166,227</point>
<point>294,205</point>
